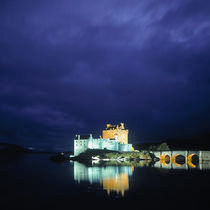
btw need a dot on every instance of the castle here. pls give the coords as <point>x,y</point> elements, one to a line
<point>114,137</point>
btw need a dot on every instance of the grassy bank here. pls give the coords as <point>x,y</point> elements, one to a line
<point>111,155</point>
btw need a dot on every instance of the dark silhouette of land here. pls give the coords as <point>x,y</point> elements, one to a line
<point>176,144</point>
<point>10,152</point>
<point>6,148</point>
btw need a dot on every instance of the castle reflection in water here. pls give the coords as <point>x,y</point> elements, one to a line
<point>112,178</point>
<point>116,178</point>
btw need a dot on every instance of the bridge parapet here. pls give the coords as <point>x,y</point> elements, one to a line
<point>205,155</point>
<point>179,152</point>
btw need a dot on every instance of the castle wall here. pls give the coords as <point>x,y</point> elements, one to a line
<point>80,146</point>
<point>121,135</point>
<point>95,144</point>
<point>110,144</point>
<point>125,147</point>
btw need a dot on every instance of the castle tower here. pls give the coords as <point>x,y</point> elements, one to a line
<point>117,132</point>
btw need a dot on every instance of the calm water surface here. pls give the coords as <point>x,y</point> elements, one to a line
<point>34,182</point>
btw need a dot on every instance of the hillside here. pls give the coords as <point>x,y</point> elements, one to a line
<point>6,148</point>
<point>175,144</point>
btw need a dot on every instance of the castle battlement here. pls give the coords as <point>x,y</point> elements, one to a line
<point>117,132</point>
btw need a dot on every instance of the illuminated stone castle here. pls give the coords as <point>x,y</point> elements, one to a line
<point>114,137</point>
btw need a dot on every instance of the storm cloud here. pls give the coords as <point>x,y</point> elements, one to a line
<point>69,67</point>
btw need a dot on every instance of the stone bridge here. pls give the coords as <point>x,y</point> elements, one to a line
<point>168,159</point>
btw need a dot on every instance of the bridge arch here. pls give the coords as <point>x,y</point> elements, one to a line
<point>176,162</point>
<point>165,159</point>
<point>192,159</point>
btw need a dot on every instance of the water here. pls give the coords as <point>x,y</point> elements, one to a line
<point>34,182</point>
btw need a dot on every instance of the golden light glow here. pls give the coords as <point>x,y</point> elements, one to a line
<point>117,184</point>
<point>116,132</point>
<point>189,161</point>
<point>163,159</point>
<point>132,168</point>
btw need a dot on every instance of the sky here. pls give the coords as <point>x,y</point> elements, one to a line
<point>70,66</point>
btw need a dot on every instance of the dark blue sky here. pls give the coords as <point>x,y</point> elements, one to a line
<point>71,66</point>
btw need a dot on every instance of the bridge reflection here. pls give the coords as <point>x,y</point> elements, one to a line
<point>183,159</point>
<point>112,178</point>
